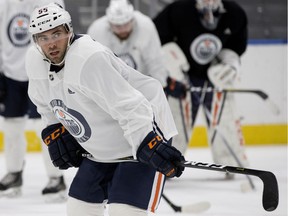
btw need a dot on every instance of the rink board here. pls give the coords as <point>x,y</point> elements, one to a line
<point>254,135</point>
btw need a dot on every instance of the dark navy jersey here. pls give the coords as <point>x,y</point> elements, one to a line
<point>180,22</point>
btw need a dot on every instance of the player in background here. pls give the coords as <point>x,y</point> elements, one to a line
<point>102,116</point>
<point>16,105</point>
<point>213,36</point>
<point>133,37</point>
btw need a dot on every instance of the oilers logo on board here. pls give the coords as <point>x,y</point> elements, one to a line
<point>18,30</point>
<point>205,48</point>
<point>72,120</point>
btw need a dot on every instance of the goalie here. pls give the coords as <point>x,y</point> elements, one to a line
<point>213,42</point>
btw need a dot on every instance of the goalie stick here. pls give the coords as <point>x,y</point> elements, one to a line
<point>264,96</point>
<point>216,129</point>
<point>270,197</point>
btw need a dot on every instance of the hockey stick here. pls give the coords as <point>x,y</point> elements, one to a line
<point>264,96</point>
<point>191,208</point>
<point>270,197</point>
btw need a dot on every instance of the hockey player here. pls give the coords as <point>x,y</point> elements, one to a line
<point>102,116</point>
<point>133,37</point>
<point>213,42</point>
<point>14,42</point>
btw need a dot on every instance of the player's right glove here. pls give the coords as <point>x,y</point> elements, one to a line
<point>175,88</point>
<point>64,150</point>
<point>161,156</point>
<point>2,87</point>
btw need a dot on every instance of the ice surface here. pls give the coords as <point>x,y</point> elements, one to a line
<point>225,196</point>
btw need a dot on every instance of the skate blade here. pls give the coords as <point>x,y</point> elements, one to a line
<point>59,197</point>
<point>11,192</point>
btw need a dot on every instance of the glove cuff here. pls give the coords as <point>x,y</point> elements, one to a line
<point>146,148</point>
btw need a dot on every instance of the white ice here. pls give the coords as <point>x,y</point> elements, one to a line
<point>195,185</point>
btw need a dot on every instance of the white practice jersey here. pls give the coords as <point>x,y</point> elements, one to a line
<point>106,105</point>
<point>14,36</point>
<point>142,50</point>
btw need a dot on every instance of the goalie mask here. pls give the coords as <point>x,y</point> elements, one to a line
<point>210,12</point>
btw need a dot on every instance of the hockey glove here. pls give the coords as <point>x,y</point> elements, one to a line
<point>222,75</point>
<point>175,88</point>
<point>63,148</point>
<point>161,156</point>
<point>2,87</point>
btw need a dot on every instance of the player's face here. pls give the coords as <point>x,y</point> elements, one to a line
<point>54,43</point>
<point>122,31</point>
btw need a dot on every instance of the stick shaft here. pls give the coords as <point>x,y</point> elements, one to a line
<point>258,92</point>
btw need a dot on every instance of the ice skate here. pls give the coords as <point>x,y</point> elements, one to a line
<point>10,185</point>
<point>55,190</point>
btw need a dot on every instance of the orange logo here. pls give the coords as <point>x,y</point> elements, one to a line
<point>54,135</point>
<point>153,142</point>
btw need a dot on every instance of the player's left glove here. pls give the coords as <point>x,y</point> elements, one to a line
<point>64,150</point>
<point>175,88</point>
<point>161,156</point>
<point>222,75</point>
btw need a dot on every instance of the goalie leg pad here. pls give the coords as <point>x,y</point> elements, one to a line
<point>229,128</point>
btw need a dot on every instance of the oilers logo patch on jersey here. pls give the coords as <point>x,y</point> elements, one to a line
<point>18,30</point>
<point>205,48</point>
<point>72,120</point>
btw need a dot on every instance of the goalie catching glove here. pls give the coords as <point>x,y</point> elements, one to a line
<point>175,88</point>
<point>161,156</point>
<point>64,150</point>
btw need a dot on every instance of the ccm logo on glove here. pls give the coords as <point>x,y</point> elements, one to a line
<point>154,142</point>
<point>54,135</point>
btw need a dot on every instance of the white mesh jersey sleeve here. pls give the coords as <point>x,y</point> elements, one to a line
<point>38,90</point>
<point>105,104</point>
<point>114,100</point>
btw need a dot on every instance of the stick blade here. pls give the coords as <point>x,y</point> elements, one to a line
<point>196,207</point>
<point>273,107</point>
<point>270,198</point>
